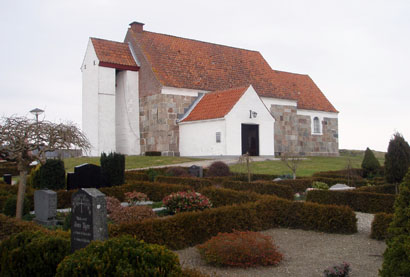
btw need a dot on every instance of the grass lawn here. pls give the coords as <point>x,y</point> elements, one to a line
<point>130,161</point>
<point>310,165</point>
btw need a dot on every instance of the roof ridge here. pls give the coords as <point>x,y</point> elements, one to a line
<point>283,71</point>
<point>201,41</point>
<point>108,40</point>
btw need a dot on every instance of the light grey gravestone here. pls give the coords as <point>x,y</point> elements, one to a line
<point>45,207</point>
<point>88,218</point>
<point>341,187</point>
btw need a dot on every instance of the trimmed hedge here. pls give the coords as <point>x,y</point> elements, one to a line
<point>192,228</point>
<point>339,173</point>
<point>195,183</point>
<point>11,225</point>
<point>254,177</point>
<point>224,197</point>
<point>380,224</point>
<point>32,254</point>
<point>366,202</point>
<point>386,189</point>
<point>8,168</point>
<point>298,185</point>
<point>262,188</point>
<point>132,176</point>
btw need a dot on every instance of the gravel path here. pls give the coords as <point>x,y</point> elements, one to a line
<point>308,253</point>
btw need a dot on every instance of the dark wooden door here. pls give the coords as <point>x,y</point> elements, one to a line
<point>250,139</point>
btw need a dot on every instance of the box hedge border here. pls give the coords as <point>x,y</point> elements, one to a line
<point>366,202</point>
<point>380,224</point>
<point>192,228</point>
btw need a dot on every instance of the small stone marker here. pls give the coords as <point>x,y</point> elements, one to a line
<point>88,218</point>
<point>45,207</point>
<point>341,187</point>
<point>85,176</point>
<point>196,171</point>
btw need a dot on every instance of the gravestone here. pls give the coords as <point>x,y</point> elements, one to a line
<point>45,207</point>
<point>7,178</point>
<point>88,218</point>
<point>341,187</point>
<point>196,171</point>
<point>85,176</point>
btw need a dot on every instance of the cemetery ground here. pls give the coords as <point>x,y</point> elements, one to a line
<point>306,253</point>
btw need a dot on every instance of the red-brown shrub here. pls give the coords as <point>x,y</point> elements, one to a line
<point>177,171</point>
<point>133,214</point>
<point>241,249</point>
<point>112,204</point>
<point>134,197</point>
<point>218,169</point>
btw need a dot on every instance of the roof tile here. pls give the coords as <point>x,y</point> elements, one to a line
<point>113,52</point>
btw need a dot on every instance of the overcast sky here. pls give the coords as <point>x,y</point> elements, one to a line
<point>357,52</point>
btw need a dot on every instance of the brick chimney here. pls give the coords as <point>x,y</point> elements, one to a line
<point>137,26</point>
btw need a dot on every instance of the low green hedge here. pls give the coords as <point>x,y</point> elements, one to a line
<point>32,253</point>
<point>254,177</point>
<point>386,189</point>
<point>262,188</point>
<point>224,197</point>
<point>380,224</point>
<point>297,185</point>
<point>195,183</point>
<point>339,173</point>
<point>192,228</point>
<point>366,202</point>
<point>132,176</point>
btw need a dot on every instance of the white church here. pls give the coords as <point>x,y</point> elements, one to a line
<point>183,97</point>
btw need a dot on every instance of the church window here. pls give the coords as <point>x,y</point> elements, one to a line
<point>218,137</point>
<point>316,125</point>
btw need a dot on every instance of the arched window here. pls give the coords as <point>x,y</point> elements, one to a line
<point>316,125</point>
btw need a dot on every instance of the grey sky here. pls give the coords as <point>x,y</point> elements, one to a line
<point>357,52</point>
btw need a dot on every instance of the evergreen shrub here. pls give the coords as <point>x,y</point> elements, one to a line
<point>10,206</point>
<point>10,226</point>
<point>34,178</point>
<point>397,159</point>
<point>112,169</point>
<point>224,197</point>
<point>240,249</point>
<point>320,185</point>
<point>127,257</point>
<point>380,224</point>
<point>397,254</point>
<point>132,176</point>
<point>177,171</point>
<point>52,175</point>
<point>131,215</point>
<point>386,189</point>
<point>218,169</point>
<point>370,164</point>
<point>32,254</point>
<point>193,182</point>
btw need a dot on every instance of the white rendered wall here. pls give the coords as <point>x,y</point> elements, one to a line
<point>89,70</point>
<point>240,115</point>
<point>198,138</point>
<point>127,131</point>
<point>182,91</point>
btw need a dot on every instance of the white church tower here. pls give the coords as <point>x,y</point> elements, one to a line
<point>110,98</point>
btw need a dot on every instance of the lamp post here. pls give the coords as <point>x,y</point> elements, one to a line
<point>37,112</point>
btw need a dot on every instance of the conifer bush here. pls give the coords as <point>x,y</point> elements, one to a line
<point>127,257</point>
<point>370,164</point>
<point>240,249</point>
<point>218,169</point>
<point>10,206</point>
<point>397,159</point>
<point>397,254</point>
<point>52,175</point>
<point>112,169</point>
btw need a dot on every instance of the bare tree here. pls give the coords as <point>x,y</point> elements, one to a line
<point>291,161</point>
<point>246,160</point>
<point>25,140</point>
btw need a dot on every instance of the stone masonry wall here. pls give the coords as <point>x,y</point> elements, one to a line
<point>293,133</point>
<point>158,127</point>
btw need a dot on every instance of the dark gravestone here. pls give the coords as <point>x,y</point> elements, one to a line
<point>89,217</point>
<point>196,171</point>
<point>45,207</point>
<point>85,176</point>
<point>7,178</point>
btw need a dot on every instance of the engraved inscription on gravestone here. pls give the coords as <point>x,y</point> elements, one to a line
<point>89,217</point>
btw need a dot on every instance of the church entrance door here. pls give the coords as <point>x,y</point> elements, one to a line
<point>250,139</point>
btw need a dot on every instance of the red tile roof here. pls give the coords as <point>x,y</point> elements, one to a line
<point>185,63</point>
<point>215,104</point>
<point>114,54</point>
